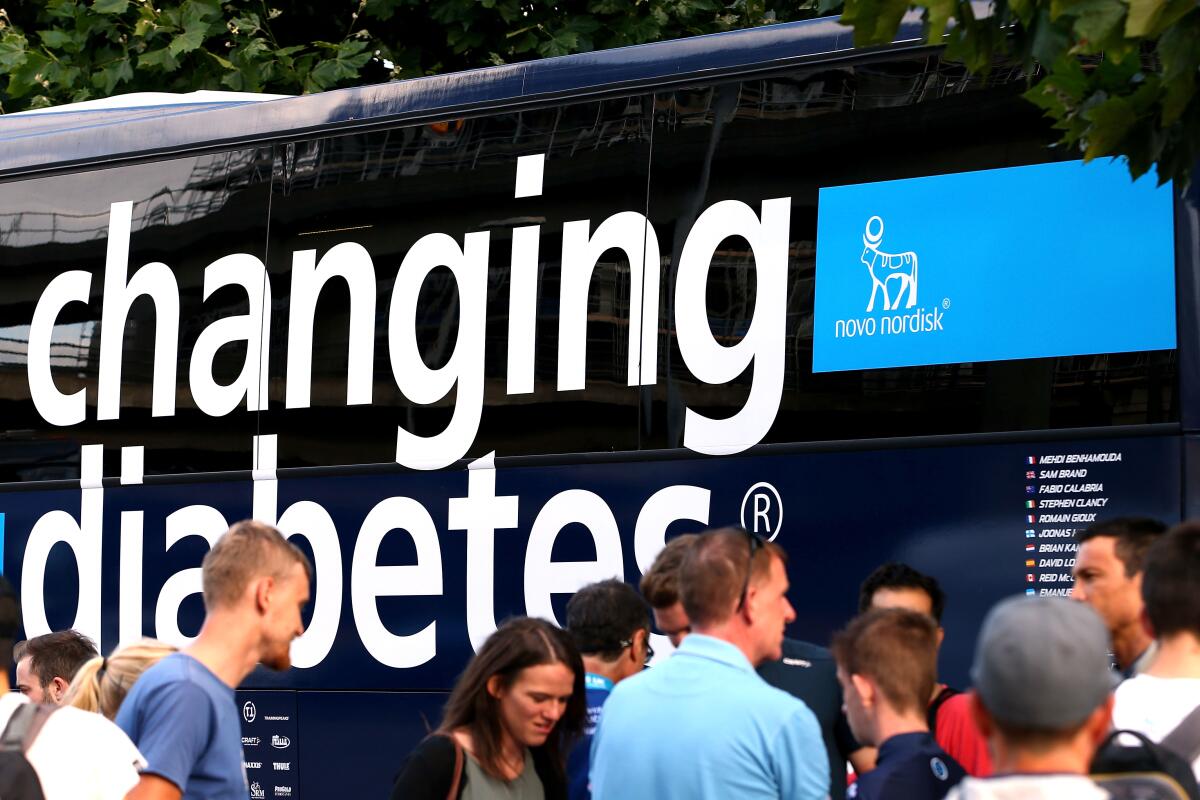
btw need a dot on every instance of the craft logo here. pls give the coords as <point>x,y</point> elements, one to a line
<point>256,791</point>
<point>280,742</point>
<point>893,281</point>
<point>250,741</point>
<point>249,712</point>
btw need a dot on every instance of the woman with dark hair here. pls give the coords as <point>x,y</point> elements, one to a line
<point>509,722</point>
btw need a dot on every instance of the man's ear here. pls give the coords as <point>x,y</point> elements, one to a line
<point>1099,723</point>
<point>637,640</point>
<point>1147,626</point>
<point>57,688</point>
<point>263,587</point>
<point>865,689</point>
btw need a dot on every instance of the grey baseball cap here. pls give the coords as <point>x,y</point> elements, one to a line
<point>1042,663</point>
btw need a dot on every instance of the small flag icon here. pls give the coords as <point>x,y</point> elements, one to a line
<point>1031,591</point>
<point>1030,475</point>
<point>1031,518</point>
<point>1030,534</point>
<point>1029,548</point>
<point>1029,562</point>
<point>1029,577</point>
<point>1031,503</point>
<point>1031,460</point>
<point>1030,490</point>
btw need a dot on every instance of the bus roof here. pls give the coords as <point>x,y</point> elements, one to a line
<point>52,141</point>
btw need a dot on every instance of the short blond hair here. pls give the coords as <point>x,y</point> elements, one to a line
<point>101,684</point>
<point>248,550</point>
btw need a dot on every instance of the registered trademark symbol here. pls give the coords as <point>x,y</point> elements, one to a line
<point>945,302</point>
<point>765,505</point>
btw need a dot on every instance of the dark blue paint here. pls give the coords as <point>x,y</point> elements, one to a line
<point>49,141</point>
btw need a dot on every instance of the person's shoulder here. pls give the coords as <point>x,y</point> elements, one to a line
<point>434,747</point>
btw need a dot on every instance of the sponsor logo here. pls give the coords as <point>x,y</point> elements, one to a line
<point>281,742</point>
<point>252,764</point>
<point>797,662</point>
<point>275,718</point>
<point>249,712</point>
<point>256,791</point>
<point>282,766</point>
<point>283,791</point>
<point>895,270</point>
<point>939,768</point>
<point>251,741</point>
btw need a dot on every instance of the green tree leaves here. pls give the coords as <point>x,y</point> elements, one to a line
<point>1117,77</point>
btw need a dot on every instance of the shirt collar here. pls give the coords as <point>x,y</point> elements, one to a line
<point>714,649</point>
<point>902,742</point>
<point>593,681</point>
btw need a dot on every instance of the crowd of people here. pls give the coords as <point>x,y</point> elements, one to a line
<point>1096,696</point>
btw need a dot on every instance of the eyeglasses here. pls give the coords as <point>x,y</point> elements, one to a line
<point>649,650</point>
<point>755,545</point>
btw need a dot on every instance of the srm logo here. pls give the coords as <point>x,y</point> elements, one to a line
<point>886,268</point>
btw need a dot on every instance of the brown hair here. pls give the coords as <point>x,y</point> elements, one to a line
<point>517,644</point>
<point>248,550</point>
<point>895,648</point>
<point>660,584</point>
<point>101,684</point>
<point>56,655</point>
<point>712,573</point>
<point>1171,585</point>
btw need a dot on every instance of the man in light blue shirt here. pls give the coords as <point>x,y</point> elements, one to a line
<point>704,724</point>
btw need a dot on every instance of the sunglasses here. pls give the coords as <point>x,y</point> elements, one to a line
<point>649,650</point>
<point>756,544</point>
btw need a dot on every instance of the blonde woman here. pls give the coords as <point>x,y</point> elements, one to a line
<point>101,684</point>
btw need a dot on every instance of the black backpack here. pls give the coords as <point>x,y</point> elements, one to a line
<point>18,780</point>
<point>1149,771</point>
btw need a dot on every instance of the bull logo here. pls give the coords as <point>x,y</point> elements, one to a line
<point>896,269</point>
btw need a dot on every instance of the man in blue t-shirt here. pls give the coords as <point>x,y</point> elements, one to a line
<point>610,624</point>
<point>887,665</point>
<point>181,713</point>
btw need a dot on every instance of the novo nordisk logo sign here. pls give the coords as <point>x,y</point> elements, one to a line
<point>894,281</point>
<point>891,257</point>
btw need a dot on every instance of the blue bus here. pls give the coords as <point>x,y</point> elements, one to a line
<point>477,340</point>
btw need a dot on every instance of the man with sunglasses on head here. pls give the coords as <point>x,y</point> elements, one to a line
<point>704,724</point>
<point>805,670</point>
<point>610,624</point>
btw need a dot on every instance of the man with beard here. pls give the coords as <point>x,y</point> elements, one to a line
<point>182,713</point>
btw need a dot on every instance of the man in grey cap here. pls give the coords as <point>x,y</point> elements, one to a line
<point>1043,698</point>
